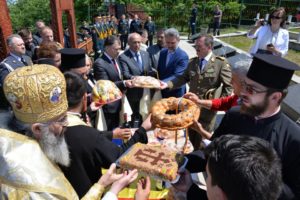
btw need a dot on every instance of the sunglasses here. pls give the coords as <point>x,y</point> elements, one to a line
<point>276,17</point>
<point>251,90</point>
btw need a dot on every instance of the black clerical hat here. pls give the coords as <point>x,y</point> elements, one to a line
<point>271,71</point>
<point>72,58</point>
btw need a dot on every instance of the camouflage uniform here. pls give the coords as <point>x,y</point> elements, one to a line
<point>213,82</point>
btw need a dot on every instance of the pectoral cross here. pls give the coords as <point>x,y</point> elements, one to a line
<point>147,153</point>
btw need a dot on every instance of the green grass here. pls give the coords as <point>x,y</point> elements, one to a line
<point>233,30</point>
<point>244,43</point>
<point>241,42</point>
<point>295,30</point>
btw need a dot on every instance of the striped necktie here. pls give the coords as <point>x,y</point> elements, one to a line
<point>115,65</point>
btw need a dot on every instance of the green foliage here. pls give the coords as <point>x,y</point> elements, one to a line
<point>233,9</point>
<point>210,6</point>
<point>24,13</point>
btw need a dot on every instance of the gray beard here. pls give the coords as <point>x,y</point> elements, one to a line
<point>55,148</point>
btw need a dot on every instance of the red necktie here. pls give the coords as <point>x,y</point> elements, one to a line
<point>115,64</point>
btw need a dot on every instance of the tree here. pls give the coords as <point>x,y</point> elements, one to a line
<point>24,13</point>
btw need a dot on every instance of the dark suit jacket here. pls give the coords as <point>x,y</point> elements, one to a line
<point>176,66</point>
<point>12,62</point>
<point>89,152</point>
<point>135,26</point>
<point>154,52</point>
<point>130,68</point>
<point>104,69</point>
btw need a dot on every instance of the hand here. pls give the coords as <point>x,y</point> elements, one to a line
<point>127,178</point>
<point>191,96</point>
<point>122,133</point>
<point>129,84</point>
<point>110,176</point>
<point>143,189</point>
<point>272,49</point>
<point>163,85</point>
<point>199,128</point>
<point>95,106</point>
<point>185,181</point>
<point>259,22</point>
<point>147,125</point>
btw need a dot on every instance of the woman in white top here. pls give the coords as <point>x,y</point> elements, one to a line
<point>272,38</point>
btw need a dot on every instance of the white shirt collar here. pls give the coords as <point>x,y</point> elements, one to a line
<point>133,53</point>
<point>207,58</point>
<point>110,58</point>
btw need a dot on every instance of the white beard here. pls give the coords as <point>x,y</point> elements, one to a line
<point>55,148</point>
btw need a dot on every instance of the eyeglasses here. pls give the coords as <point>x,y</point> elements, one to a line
<point>250,89</point>
<point>276,17</point>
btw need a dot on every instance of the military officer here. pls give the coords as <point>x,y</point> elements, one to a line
<point>123,29</point>
<point>209,77</point>
<point>150,27</point>
<point>15,59</point>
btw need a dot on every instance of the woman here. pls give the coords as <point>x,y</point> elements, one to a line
<point>49,53</point>
<point>272,38</point>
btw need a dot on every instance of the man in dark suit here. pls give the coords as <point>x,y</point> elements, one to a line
<point>123,29</point>
<point>15,59</point>
<point>107,67</point>
<point>193,18</point>
<point>135,25</point>
<point>135,62</point>
<point>154,50</point>
<point>172,62</point>
<point>150,27</point>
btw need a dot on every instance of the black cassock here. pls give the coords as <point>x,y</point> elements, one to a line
<point>89,152</point>
<point>282,133</point>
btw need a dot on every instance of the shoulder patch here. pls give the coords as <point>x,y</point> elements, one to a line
<point>221,58</point>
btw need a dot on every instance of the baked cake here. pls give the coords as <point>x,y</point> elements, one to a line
<point>145,82</point>
<point>152,160</point>
<point>187,112</point>
<point>105,92</point>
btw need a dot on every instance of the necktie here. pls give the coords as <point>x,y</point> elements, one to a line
<point>139,62</point>
<point>23,61</point>
<point>201,67</point>
<point>115,65</point>
<point>169,57</point>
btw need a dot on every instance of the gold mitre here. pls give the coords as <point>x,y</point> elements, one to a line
<point>36,93</point>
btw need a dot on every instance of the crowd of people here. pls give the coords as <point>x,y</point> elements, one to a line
<point>51,146</point>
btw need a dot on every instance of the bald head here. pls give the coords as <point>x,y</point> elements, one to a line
<point>134,41</point>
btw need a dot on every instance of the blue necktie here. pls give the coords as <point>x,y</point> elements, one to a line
<point>200,65</point>
<point>169,57</point>
<point>23,61</point>
<point>139,62</point>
